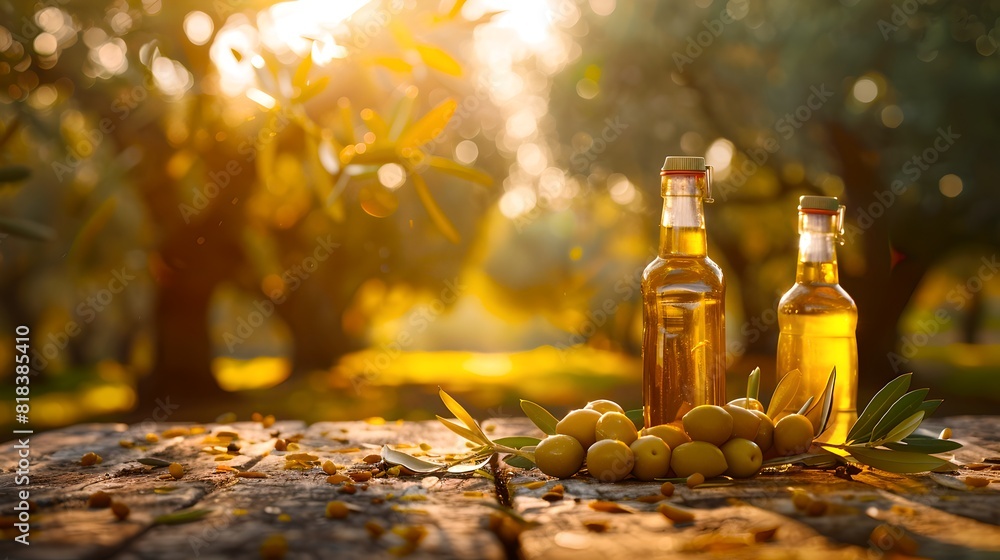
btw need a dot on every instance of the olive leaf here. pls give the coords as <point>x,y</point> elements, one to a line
<point>753,386</point>
<point>540,417</point>
<point>901,462</point>
<point>808,459</point>
<point>463,431</point>
<point>928,407</point>
<point>805,406</point>
<point>439,59</point>
<point>819,414</point>
<point>26,229</point>
<point>416,465</point>
<point>467,468</point>
<point>923,444</point>
<point>784,393</point>
<point>899,411</point>
<point>14,173</point>
<point>433,210</point>
<point>463,415</point>
<point>429,126</point>
<point>519,462</point>
<point>517,442</point>
<point>904,428</point>
<point>877,407</point>
<point>455,169</point>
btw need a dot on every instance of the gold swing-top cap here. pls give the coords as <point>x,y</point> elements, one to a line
<point>819,204</point>
<point>683,163</point>
<point>687,164</point>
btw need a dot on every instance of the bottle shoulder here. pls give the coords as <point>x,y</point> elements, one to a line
<point>698,273</point>
<point>816,298</point>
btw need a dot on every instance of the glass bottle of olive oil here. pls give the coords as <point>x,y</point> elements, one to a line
<point>818,319</point>
<point>683,295</point>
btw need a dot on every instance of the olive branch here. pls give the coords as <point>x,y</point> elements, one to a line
<point>884,435</point>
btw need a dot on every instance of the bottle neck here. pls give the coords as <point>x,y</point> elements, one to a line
<point>682,225</point>
<point>817,250</point>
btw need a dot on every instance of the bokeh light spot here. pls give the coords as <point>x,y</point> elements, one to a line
<point>950,185</point>
<point>865,90</point>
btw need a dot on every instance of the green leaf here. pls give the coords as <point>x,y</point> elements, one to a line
<point>517,442</point>
<point>14,173</point>
<point>784,393</point>
<point>637,417</point>
<point>433,210</point>
<point>924,444</point>
<point>905,428</point>
<point>463,431</point>
<point>519,462</point>
<point>429,127</point>
<point>539,417</point>
<point>902,462</point>
<point>462,414</point>
<point>930,406</point>
<point>809,459</point>
<point>416,465</point>
<point>753,386</point>
<point>805,406</point>
<point>877,407</point>
<point>26,229</point>
<point>899,411</point>
<point>819,414</point>
<point>456,169</point>
<point>183,516</point>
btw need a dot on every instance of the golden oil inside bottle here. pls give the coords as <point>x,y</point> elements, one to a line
<point>683,308</point>
<point>817,321</point>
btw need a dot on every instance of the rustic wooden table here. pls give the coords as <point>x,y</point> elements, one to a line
<point>875,514</point>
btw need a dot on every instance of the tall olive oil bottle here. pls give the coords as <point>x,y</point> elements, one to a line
<point>818,319</point>
<point>683,295</point>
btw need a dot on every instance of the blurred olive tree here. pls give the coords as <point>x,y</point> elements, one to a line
<point>233,143</point>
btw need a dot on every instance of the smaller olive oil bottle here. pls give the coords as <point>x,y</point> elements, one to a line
<point>818,319</point>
